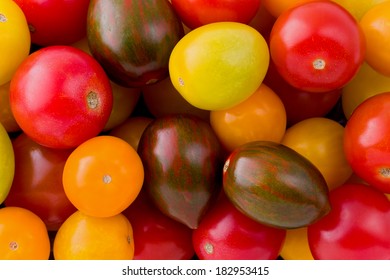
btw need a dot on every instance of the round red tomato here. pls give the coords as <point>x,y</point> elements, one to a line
<point>54,22</point>
<point>60,97</point>
<point>195,13</point>
<point>366,141</point>
<point>317,46</point>
<point>37,185</point>
<point>357,227</point>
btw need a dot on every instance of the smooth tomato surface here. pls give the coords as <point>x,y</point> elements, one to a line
<point>7,164</point>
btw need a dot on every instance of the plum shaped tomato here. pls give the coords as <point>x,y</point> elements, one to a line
<point>60,97</point>
<point>317,46</point>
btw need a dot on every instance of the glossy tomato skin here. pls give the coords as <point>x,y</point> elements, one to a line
<point>37,185</point>
<point>366,141</point>
<point>226,233</point>
<point>61,96</point>
<point>195,13</point>
<point>157,237</point>
<point>357,227</point>
<point>324,54</point>
<point>53,22</point>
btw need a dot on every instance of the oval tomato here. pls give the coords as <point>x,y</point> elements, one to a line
<point>70,105</point>
<point>311,58</point>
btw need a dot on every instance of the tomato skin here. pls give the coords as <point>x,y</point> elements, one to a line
<point>53,22</point>
<point>327,51</point>
<point>357,227</point>
<point>217,235</point>
<point>366,141</point>
<point>195,13</point>
<point>60,120</point>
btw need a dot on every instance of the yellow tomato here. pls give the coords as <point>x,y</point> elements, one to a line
<point>7,164</point>
<point>320,140</point>
<point>376,28</point>
<point>276,7</point>
<point>358,8</point>
<point>219,65</point>
<point>365,84</point>
<point>296,245</point>
<point>14,37</point>
<point>260,117</point>
<point>6,116</point>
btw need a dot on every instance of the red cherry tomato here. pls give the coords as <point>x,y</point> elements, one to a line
<point>37,185</point>
<point>60,96</point>
<point>226,233</point>
<point>317,46</point>
<point>357,227</point>
<point>54,22</point>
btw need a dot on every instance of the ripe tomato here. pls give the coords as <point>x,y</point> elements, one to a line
<point>219,65</point>
<point>296,245</point>
<point>195,13</point>
<point>53,22</point>
<point>277,7</point>
<point>103,176</point>
<point>82,237</point>
<point>366,141</point>
<point>311,58</point>
<point>7,119</point>
<point>14,37</point>
<point>376,28</point>
<point>37,184</point>
<point>70,105</point>
<point>7,164</point>
<point>23,235</point>
<point>226,233</point>
<point>260,117</point>
<point>358,8</point>
<point>320,140</point>
<point>356,228</point>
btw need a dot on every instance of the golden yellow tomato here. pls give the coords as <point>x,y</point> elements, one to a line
<point>358,8</point>
<point>7,164</point>
<point>296,245</point>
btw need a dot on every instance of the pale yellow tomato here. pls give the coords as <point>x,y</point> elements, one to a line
<point>7,164</point>
<point>14,37</point>
<point>358,8</point>
<point>320,140</point>
<point>296,245</point>
<point>219,65</point>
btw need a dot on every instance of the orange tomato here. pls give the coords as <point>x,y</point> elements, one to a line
<point>6,117</point>
<point>276,7</point>
<point>296,245</point>
<point>103,176</point>
<point>260,117</point>
<point>82,237</point>
<point>358,8</point>
<point>23,235</point>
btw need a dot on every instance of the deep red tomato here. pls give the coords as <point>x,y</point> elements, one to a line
<point>54,22</point>
<point>37,185</point>
<point>317,46</point>
<point>366,141</point>
<point>195,13</point>
<point>60,96</point>
<point>357,227</point>
<point>226,233</point>
<point>157,237</point>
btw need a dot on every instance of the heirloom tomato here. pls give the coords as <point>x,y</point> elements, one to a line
<point>14,37</point>
<point>71,104</point>
<point>327,51</point>
<point>366,139</point>
<point>54,22</point>
<point>7,164</point>
<point>23,235</point>
<point>195,13</point>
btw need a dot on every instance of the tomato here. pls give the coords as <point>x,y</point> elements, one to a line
<point>311,59</point>
<point>23,235</point>
<point>63,120</point>
<point>82,237</point>
<point>260,117</point>
<point>376,28</point>
<point>103,176</point>
<point>356,228</point>
<point>53,22</point>
<point>14,37</point>
<point>37,184</point>
<point>320,140</point>
<point>7,119</point>
<point>365,84</point>
<point>366,141</point>
<point>226,233</point>
<point>7,164</point>
<point>195,13</point>
<point>358,8</point>
<point>157,237</point>
<point>219,65</point>
<point>277,7</point>
<point>296,245</point>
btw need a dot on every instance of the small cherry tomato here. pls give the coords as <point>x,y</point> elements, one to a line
<point>296,245</point>
<point>7,164</point>
<point>358,8</point>
<point>277,7</point>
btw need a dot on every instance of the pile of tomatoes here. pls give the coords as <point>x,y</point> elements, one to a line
<point>121,123</point>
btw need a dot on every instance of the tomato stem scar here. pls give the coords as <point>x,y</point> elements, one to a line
<point>107,179</point>
<point>209,248</point>
<point>3,18</point>
<point>31,28</point>
<point>385,172</point>
<point>92,100</point>
<point>181,82</point>
<point>13,245</point>
<point>319,64</point>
